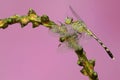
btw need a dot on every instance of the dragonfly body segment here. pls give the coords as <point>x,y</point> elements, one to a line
<point>102,44</point>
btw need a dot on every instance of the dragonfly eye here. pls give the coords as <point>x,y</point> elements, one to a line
<point>68,20</point>
<point>62,39</point>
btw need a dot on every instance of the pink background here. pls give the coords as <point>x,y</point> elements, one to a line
<point>32,54</point>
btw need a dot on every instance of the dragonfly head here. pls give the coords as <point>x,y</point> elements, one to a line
<point>68,20</point>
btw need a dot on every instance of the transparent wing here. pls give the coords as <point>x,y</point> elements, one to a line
<point>75,14</point>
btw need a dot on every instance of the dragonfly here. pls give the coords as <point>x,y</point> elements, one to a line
<point>71,31</point>
<point>80,27</point>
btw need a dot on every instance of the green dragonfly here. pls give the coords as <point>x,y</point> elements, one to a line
<point>71,31</point>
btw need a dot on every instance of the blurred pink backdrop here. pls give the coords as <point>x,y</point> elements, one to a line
<point>33,54</point>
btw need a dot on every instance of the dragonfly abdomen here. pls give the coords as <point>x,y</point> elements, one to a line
<point>102,44</point>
